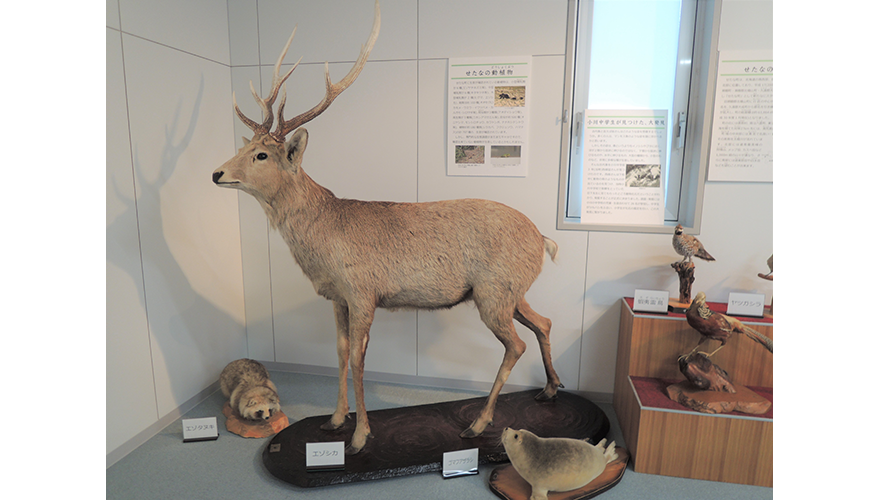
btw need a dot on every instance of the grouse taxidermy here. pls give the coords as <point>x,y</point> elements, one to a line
<point>716,326</point>
<point>688,246</point>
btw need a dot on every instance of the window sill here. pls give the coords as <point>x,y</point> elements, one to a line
<point>574,224</point>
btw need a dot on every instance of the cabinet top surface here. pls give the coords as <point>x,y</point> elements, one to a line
<point>719,307</point>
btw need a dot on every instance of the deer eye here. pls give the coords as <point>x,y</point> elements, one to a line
<point>262,156</point>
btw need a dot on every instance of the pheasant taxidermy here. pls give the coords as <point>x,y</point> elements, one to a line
<point>688,246</point>
<point>716,326</point>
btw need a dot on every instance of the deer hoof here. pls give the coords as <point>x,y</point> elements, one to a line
<point>547,395</point>
<point>468,433</point>
<point>351,450</point>
<point>330,426</point>
<point>472,432</point>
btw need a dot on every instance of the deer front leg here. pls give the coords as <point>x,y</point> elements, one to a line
<point>359,335</point>
<point>514,348</point>
<point>342,350</point>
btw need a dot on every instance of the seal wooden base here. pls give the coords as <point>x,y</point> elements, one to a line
<point>252,429</point>
<point>506,482</point>
<point>744,400</point>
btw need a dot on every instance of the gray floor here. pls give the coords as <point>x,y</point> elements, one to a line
<point>231,467</point>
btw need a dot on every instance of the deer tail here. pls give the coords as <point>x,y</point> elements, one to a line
<point>758,337</point>
<point>551,248</point>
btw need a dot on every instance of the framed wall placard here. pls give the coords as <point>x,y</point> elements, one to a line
<point>742,122</point>
<point>488,116</point>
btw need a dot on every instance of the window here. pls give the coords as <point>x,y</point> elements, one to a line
<point>639,55</point>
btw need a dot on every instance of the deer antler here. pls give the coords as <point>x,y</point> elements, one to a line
<point>333,90</point>
<point>266,104</point>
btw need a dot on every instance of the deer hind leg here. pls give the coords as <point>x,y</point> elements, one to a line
<point>541,326</point>
<point>501,324</point>
<point>359,335</point>
<point>342,350</point>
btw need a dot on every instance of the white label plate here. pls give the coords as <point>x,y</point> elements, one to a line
<point>745,304</point>
<point>460,463</point>
<point>656,301</point>
<point>325,455</point>
<point>199,429</point>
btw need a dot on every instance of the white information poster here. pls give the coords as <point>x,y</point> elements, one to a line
<point>488,122</point>
<point>624,166</point>
<point>742,124</point>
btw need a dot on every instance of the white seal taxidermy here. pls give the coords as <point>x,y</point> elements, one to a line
<point>555,464</point>
<point>251,394</point>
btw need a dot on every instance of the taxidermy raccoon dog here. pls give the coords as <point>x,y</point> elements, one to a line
<point>251,394</point>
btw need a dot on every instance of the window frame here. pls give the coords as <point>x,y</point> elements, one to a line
<point>698,125</point>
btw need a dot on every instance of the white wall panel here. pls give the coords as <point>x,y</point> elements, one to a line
<point>131,398</point>
<point>464,28</point>
<point>334,30</point>
<point>244,40</point>
<point>181,131</point>
<point>746,25</point>
<point>113,14</point>
<point>200,27</point>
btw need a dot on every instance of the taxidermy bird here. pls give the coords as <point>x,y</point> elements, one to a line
<point>716,326</point>
<point>688,246</point>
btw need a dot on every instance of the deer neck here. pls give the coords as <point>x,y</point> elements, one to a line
<point>295,202</point>
<point>294,208</point>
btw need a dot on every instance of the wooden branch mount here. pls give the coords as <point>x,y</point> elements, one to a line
<point>685,272</point>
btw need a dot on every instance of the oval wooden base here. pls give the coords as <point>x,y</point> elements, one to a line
<point>252,429</point>
<point>506,482</point>
<point>412,439</point>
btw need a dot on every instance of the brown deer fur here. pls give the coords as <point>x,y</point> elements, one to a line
<point>363,255</point>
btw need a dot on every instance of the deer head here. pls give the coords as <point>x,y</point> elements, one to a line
<point>266,161</point>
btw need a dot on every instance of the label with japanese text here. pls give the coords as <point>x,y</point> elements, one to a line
<point>745,304</point>
<point>655,301</point>
<point>460,463</point>
<point>199,429</point>
<point>325,455</point>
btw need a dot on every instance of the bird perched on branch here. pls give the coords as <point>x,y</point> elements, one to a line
<point>688,246</point>
<point>716,326</point>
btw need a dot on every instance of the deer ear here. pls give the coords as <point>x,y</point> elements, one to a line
<point>246,140</point>
<point>296,146</point>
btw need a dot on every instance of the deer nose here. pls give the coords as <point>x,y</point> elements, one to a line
<point>217,176</point>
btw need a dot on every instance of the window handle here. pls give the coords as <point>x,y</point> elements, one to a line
<point>682,127</point>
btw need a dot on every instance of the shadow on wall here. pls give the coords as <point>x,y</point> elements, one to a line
<point>180,320</point>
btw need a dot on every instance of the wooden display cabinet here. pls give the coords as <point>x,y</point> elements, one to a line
<point>664,437</point>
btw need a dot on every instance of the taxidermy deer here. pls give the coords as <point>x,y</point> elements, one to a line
<point>363,255</point>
